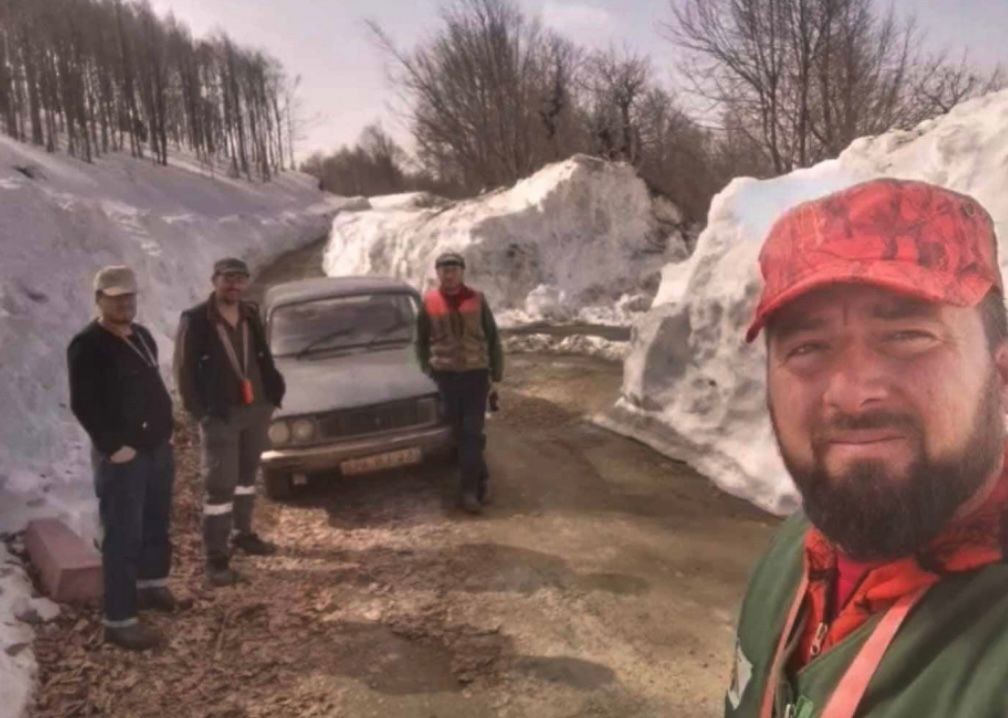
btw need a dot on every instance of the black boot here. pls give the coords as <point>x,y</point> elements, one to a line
<point>134,637</point>
<point>251,544</point>
<point>156,598</point>
<point>219,573</point>
<point>470,504</point>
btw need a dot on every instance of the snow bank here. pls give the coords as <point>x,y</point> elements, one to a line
<point>406,200</point>
<point>60,220</point>
<point>169,224</point>
<point>17,663</point>
<point>691,387</point>
<point>580,344</point>
<point>580,240</point>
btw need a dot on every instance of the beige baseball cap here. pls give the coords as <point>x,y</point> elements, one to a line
<point>115,281</point>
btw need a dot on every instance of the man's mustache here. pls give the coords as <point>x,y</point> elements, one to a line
<point>838,424</point>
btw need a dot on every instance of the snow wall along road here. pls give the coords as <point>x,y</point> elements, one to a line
<point>581,240</point>
<point>60,220</point>
<point>692,388</point>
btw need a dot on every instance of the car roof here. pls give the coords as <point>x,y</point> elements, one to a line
<point>305,289</point>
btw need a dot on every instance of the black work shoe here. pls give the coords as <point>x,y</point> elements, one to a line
<point>134,637</point>
<point>156,598</point>
<point>253,545</point>
<point>219,574</point>
<point>471,504</point>
<point>485,495</point>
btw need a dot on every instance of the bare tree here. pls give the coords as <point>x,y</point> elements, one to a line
<point>804,78</point>
<point>864,76</point>
<point>618,82</point>
<point>563,64</point>
<point>375,165</point>
<point>941,85</point>
<point>483,93</point>
<point>676,155</point>
<point>736,56</point>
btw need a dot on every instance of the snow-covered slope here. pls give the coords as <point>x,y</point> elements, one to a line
<point>59,225</point>
<point>581,239</point>
<point>692,388</point>
<point>169,224</point>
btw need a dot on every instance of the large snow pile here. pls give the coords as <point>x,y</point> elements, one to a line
<point>692,388</point>
<point>580,240</point>
<point>60,220</point>
<point>406,200</point>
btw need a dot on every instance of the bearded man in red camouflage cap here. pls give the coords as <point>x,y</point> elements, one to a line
<point>887,368</point>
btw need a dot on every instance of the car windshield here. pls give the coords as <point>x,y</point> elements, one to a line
<point>335,323</point>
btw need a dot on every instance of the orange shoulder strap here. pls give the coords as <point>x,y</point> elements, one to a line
<point>851,689</point>
<point>766,707</point>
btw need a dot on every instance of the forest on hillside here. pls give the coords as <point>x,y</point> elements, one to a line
<point>99,76</point>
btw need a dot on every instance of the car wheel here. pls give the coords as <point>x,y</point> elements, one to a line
<point>278,484</point>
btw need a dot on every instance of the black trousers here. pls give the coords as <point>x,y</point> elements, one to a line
<point>465,400</point>
<point>134,504</point>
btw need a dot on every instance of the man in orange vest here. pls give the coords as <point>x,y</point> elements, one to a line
<point>887,384</point>
<point>459,346</point>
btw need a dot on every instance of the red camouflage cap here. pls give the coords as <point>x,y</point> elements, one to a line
<point>910,237</point>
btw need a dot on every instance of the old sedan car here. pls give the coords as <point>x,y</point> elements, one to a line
<point>356,401</point>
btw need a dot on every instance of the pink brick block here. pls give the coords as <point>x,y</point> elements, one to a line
<point>70,569</point>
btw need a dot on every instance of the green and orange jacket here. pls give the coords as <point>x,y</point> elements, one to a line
<point>458,337</point>
<point>949,659</point>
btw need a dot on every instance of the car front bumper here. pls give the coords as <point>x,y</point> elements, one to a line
<point>431,441</point>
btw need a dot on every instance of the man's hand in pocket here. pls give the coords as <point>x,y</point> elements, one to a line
<point>124,455</point>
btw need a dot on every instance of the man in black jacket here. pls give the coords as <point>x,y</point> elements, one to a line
<point>229,383</point>
<point>117,394</point>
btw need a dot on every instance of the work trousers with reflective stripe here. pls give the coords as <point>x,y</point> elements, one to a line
<point>134,505</point>
<point>464,394</point>
<point>230,456</point>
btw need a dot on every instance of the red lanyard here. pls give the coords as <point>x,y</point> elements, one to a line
<point>241,369</point>
<point>848,694</point>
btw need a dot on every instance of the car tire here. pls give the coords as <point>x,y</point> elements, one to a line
<point>278,485</point>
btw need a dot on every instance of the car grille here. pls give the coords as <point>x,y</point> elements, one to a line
<point>376,419</point>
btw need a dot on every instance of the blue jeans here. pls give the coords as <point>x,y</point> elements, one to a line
<point>134,504</point>
<point>465,400</point>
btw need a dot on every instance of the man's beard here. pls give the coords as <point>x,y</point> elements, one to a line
<point>873,515</point>
<point>118,320</point>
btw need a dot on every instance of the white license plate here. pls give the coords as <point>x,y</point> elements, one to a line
<point>380,462</point>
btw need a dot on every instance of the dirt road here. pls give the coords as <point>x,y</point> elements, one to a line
<point>603,581</point>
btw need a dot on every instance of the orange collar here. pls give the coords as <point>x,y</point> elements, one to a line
<point>966,544</point>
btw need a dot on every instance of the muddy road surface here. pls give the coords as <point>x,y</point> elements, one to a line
<point>603,581</point>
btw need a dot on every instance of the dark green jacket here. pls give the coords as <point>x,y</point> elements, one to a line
<point>949,659</point>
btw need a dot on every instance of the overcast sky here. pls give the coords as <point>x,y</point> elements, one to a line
<point>344,84</point>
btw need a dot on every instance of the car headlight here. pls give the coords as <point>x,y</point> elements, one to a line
<point>303,430</point>
<point>279,433</point>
